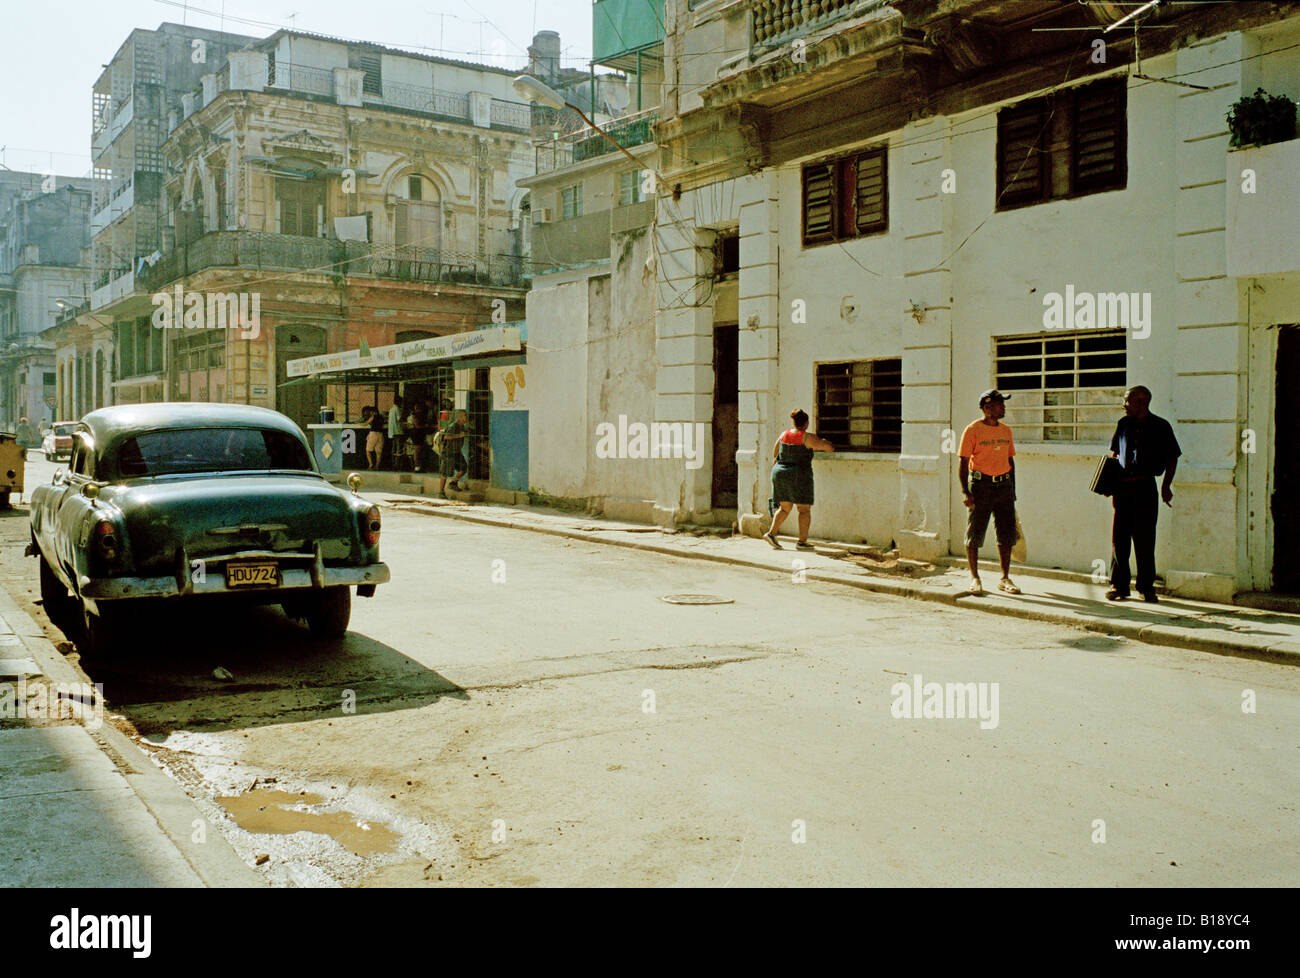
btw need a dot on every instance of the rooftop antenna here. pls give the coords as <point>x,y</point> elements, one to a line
<point>1137,63</point>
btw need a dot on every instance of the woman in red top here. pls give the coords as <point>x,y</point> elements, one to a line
<point>792,477</point>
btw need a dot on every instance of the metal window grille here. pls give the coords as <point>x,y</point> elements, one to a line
<point>860,405</point>
<point>1063,386</point>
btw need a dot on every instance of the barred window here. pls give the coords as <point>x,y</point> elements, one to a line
<point>1063,386</point>
<point>1066,144</point>
<point>845,198</point>
<point>860,405</point>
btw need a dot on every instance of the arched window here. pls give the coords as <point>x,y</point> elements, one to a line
<point>418,217</point>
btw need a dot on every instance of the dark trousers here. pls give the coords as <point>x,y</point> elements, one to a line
<point>1136,508</point>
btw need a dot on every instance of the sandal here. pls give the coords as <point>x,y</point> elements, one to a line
<point>975,586</point>
<point>1008,586</point>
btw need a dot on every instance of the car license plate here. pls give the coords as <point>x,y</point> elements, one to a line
<point>252,575</point>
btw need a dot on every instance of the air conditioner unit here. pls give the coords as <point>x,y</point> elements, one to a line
<point>543,215</point>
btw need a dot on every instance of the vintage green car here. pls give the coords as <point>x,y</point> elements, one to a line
<point>183,501</point>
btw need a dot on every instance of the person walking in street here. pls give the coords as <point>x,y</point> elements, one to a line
<point>792,477</point>
<point>395,439</point>
<point>453,436</point>
<point>1146,448</point>
<point>988,486</point>
<point>23,435</point>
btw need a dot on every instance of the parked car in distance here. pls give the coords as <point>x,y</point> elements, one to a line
<point>198,502</point>
<point>57,443</point>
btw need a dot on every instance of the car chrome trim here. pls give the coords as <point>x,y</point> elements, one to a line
<point>115,588</point>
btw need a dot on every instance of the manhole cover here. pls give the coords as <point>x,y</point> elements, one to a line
<point>696,599</point>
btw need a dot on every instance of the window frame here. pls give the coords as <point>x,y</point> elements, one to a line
<point>1008,381</point>
<point>576,190</point>
<point>842,173</point>
<point>843,438</point>
<point>1058,145</point>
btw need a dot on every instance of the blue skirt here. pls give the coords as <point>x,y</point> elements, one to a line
<point>792,484</point>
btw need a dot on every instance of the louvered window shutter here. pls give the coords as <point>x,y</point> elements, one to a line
<point>872,201</point>
<point>818,203</point>
<point>1021,156</point>
<point>1098,159</point>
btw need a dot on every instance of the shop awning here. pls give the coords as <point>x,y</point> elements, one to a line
<point>393,362</point>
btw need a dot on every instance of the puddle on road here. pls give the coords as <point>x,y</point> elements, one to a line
<point>271,811</point>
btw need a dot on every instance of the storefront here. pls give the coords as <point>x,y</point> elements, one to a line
<point>482,372</point>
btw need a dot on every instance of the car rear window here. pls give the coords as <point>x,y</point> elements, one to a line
<point>181,450</point>
<point>63,430</point>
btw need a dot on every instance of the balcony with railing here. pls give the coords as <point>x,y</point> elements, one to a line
<point>264,251</point>
<point>775,21</point>
<point>587,144</point>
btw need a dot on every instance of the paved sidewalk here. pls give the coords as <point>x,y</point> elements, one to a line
<point>1046,595</point>
<point>80,803</point>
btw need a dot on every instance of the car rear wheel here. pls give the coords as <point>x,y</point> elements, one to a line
<point>329,612</point>
<point>99,633</point>
<point>54,596</point>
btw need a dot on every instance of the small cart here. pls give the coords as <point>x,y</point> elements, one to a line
<point>13,458</point>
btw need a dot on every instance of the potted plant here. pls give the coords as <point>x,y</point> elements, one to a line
<point>1260,119</point>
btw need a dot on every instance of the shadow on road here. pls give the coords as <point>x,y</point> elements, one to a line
<point>162,679</point>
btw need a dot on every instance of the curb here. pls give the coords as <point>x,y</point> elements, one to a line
<point>1170,635</point>
<point>214,861</point>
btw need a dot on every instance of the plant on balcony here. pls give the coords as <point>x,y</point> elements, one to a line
<point>1260,119</point>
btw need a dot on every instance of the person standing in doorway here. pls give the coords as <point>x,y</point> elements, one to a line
<point>375,439</point>
<point>988,486</point>
<point>395,439</point>
<point>1146,448</point>
<point>792,477</point>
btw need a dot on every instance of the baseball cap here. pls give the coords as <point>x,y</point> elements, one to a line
<point>993,394</point>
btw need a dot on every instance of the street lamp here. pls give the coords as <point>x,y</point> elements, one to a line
<point>529,88</point>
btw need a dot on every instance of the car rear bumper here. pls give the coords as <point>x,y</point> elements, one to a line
<point>291,579</point>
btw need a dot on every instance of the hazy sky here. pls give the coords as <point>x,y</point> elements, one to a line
<point>51,51</point>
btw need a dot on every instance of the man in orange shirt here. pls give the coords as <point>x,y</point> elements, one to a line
<point>988,485</point>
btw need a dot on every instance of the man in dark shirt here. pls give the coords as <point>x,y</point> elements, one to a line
<point>1146,448</point>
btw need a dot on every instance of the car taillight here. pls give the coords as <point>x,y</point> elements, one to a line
<point>106,541</point>
<point>370,529</point>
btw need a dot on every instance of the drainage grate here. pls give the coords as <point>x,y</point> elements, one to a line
<point>696,599</point>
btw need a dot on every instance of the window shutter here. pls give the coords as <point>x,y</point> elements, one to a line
<point>371,81</point>
<point>288,211</point>
<point>1098,160</point>
<point>872,210</point>
<point>818,203</point>
<point>1020,153</point>
<point>401,232</point>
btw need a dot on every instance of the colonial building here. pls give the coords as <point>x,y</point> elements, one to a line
<point>153,74</point>
<point>331,195</point>
<point>44,268</point>
<point>591,243</point>
<point>931,200</point>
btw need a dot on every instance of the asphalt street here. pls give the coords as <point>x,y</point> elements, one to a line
<point>523,709</point>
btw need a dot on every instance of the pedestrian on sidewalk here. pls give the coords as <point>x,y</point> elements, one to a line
<point>453,435</point>
<point>417,429</point>
<point>792,477</point>
<point>988,486</point>
<point>1146,447</point>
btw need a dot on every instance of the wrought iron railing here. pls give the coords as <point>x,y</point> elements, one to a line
<point>303,78</point>
<point>586,143</point>
<point>511,115</point>
<point>265,251</point>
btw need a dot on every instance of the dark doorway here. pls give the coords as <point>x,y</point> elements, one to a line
<point>1286,472</point>
<point>726,413</point>
<point>301,402</point>
<point>478,407</point>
